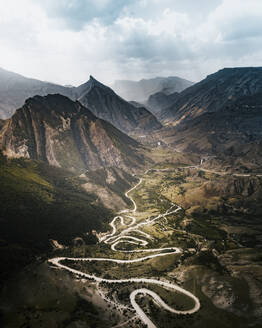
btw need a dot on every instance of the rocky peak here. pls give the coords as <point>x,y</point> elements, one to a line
<point>94,81</point>
<point>107,105</point>
<point>91,84</point>
<point>54,105</point>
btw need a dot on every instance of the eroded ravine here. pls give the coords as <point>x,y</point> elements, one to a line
<point>114,239</point>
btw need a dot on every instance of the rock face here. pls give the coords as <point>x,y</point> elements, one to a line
<point>106,104</point>
<point>66,134</point>
<point>141,90</point>
<point>215,93</point>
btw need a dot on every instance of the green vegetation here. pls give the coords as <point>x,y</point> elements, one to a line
<point>39,203</point>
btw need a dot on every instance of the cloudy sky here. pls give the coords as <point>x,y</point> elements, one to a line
<point>65,41</point>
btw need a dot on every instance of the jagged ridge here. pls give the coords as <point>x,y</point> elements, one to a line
<point>101,100</point>
<point>106,104</point>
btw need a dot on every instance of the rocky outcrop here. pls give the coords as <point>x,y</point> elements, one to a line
<point>66,134</point>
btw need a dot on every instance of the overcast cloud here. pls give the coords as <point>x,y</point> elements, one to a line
<point>67,40</point>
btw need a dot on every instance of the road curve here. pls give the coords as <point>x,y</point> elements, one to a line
<point>115,239</point>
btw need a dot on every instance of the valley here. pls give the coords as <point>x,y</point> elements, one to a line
<point>172,253</point>
<point>115,216</point>
<point>130,164</point>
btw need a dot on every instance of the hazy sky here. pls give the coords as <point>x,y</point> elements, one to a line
<point>65,41</point>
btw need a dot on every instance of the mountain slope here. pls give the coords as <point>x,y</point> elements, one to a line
<point>159,101</point>
<point>40,203</point>
<point>221,115</point>
<point>2,122</point>
<point>141,90</point>
<point>65,134</point>
<point>15,89</point>
<point>106,104</point>
<point>234,132</point>
<point>215,92</point>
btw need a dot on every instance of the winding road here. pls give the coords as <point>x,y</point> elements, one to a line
<point>114,238</point>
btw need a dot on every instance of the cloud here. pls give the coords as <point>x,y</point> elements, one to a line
<point>75,14</point>
<point>235,19</point>
<point>64,41</point>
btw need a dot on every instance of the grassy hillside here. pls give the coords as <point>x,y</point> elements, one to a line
<point>39,203</point>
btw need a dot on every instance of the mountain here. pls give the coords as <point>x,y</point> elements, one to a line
<point>15,89</point>
<point>141,90</point>
<point>136,104</point>
<point>65,134</point>
<point>214,93</point>
<point>160,101</point>
<point>106,104</point>
<point>230,128</point>
<point>101,100</point>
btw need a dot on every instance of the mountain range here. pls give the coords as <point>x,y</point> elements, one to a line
<point>215,92</point>
<point>15,89</point>
<point>220,115</point>
<point>101,100</point>
<point>67,158</point>
<point>141,90</point>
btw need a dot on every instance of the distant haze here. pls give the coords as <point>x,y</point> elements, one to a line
<point>67,40</point>
<point>141,90</point>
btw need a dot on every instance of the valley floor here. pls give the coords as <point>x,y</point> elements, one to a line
<point>182,256</point>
